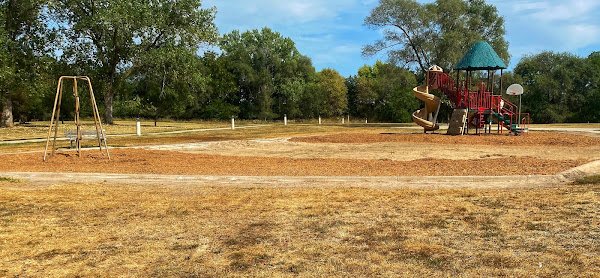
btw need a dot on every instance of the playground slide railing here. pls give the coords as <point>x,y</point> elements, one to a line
<point>509,111</point>
<point>509,108</point>
<point>476,100</point>
<point>503,106</point>
<point>444,83</point>
<point>496,101</point>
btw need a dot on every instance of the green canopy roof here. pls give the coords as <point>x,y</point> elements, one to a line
<point>481,57</point>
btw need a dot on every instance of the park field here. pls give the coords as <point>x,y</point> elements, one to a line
<point>267,200</point>
<point>249,230</point>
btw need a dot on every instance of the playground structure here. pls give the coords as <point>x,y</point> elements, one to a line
<point>477,109</point>
<point>427,117</point>
<point>78,135</point>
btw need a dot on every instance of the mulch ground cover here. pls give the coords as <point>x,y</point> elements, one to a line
<point>530,139</point>
<point>136,161</point>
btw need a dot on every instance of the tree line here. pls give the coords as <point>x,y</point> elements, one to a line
<point>165,59</point>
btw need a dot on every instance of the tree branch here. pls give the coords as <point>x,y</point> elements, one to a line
<point>413,46</point>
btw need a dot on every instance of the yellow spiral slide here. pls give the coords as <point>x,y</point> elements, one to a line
<point>427,117</point>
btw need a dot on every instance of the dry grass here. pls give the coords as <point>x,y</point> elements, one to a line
<point>268,131</point>
<point>263,132</point>
<point>37,130</point>
<point>40,129</point>
<point>111,230</point>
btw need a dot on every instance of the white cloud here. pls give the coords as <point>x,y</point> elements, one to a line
<point>331,32</point>
<point>565,10</point>
<point>534,25</point>
<point>529,6</point>
<point>347,48</point>
<point>578,36</point>
<point>316,38</point>
<point>283,12</point>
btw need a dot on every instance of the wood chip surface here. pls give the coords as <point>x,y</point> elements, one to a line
<point>178,163</point>
<point>531,139</point>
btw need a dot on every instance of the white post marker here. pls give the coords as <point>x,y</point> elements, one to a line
<point>319,120</point>
<point>343,120</point>
<point>366,120</point>
<point>138,127</point>
<point>232,122</point>
<point>285,119</point>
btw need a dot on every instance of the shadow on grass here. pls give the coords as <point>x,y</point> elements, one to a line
<point>594,179</point>
<point>10,180</point>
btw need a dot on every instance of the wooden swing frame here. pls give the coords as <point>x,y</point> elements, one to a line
<point>56,116</point>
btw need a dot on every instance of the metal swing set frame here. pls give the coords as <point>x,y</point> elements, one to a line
<point>56,116</point>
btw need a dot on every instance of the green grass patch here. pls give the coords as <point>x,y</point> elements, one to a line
<point>7,179</point>
<point>594,179</point>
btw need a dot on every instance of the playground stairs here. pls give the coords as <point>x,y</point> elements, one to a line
<point>458,122</point>
<point>505,120</point>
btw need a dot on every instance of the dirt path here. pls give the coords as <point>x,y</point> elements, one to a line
<point>592,168</point>
<point>247,181</point>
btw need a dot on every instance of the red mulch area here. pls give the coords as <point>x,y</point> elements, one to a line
<point>134,161</point>
<point>530,139</point>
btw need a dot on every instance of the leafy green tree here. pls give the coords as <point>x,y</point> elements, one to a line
<point>24,43</point>
<point>332,88</point>
<point>170,83</point>
<point>220,99</point>
<point>111,37</point>
<point>312,103</point>
<point>291,92</point>
<point>556,86</point>
<point>384,92</point>
<point>269,71</point>
<point>7,73</point>
<point>591,110</point>
<point>352,92</point>
<point>396,101</point>
<point>366,97</point>
<point>34,99</point>
<point>434,33</point>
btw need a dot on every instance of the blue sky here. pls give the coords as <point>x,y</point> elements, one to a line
<point>332,33</point>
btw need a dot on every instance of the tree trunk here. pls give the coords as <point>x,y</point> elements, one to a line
<point>108,105</point>
<point>6,120</point>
